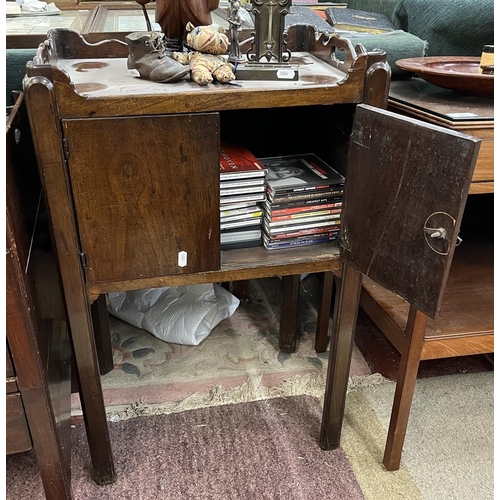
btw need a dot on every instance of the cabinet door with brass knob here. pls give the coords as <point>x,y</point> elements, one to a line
<point>406,188</point>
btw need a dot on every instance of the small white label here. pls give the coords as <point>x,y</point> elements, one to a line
<point>182,259</point>
<point>286,74</point>
<point>461,115</point>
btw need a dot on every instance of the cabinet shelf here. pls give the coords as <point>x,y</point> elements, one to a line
<point>241,264</point>
<point>465,322</point>
<point>154,133</point>
<point>244,258</point>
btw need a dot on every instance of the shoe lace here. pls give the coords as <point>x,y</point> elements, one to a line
<point>157,45</point>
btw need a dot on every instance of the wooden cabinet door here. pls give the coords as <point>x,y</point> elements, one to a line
<point>406,187</point>
<point>145,190</point>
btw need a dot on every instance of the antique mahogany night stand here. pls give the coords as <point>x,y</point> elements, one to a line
<point>131,175</point>
<point>130,170</point>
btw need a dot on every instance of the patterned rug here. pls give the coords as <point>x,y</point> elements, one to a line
<point>240,353</point>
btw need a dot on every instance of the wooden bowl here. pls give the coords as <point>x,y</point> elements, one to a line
<point>459,73</point>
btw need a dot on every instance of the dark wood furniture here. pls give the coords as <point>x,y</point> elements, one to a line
<point>406,274</point>
<point>465,323</point>
<point>466,114</point>
<point>131,175</point>
<point>38,345</point>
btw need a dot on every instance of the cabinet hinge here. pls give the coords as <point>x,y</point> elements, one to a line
<point>83,260</point>
<point>65,148</point>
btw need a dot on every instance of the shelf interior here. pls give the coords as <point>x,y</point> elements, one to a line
<point>467,306</point>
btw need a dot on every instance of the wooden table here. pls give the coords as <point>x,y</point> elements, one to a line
<point>465,324</point>
<point>466,114</point>
<point>131,175</point>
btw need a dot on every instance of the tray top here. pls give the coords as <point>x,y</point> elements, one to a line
<point>445,104</point>
<point>104,78</point>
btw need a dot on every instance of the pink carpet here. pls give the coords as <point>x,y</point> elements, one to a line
<point>261,450</point>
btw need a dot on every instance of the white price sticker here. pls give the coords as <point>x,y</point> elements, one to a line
<point>286,74</point>
<point>461,115</point>
<point>182,259</point>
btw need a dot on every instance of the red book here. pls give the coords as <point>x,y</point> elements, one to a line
<point>237,162</point>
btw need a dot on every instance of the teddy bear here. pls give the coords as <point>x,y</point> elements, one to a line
<point>207,43</point>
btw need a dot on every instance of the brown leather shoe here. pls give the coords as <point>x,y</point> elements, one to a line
<point>149,55</point>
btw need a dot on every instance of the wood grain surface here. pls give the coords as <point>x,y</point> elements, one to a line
<point>17,434</point>
<point>466,320</point>
<point>405,175</point>
<point>39,414</point>
<point>148,192</point>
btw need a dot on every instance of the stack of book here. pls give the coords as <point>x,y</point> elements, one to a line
<point>242,186</point>
<point>319,5</point>
<point>349,20</point>
<point>303,203</point>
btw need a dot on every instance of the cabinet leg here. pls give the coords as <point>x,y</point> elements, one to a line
<point>290,286</point>
<point>91,398</point>
<point>345,316</point>
<point>46,131</point>
<point>53,461</point>
<point>239,289</point>
<point>327,280</point>
<point>102,334</point>
<point>405,387</point>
